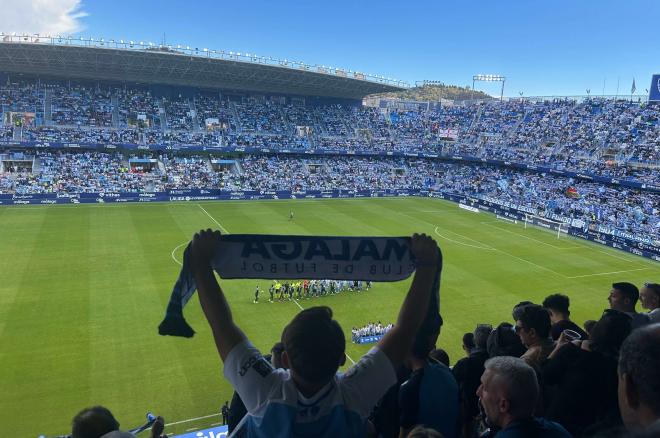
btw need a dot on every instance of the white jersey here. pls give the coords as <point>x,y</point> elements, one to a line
<point>276,408</point>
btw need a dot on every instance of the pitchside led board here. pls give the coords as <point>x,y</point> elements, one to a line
<point>654,90</point>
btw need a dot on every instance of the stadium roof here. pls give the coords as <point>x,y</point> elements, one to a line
<point>130,61</point>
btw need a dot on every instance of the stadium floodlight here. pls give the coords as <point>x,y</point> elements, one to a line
<point>489,78</point>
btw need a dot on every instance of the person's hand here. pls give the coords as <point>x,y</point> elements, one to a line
<point>563,340</point>
<point>204,244</point>
<point>158,427</point>
<point>424,250</point>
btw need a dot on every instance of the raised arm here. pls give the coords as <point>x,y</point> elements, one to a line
<point>399,340</point>
<point>214,304</point>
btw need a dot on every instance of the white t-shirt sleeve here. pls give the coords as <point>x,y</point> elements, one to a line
<point>252,376</point>
<point>367,381</point>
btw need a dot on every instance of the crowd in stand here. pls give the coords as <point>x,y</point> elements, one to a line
<point>620,208</point>
<point>602,136</point>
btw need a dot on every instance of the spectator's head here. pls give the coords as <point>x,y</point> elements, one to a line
<point>276,355</point>
<point>423,432</point>
<point>314,346</point>
<point>468,342</point>
<point>532,324</point>
<point>93,422</point>
<point>503,341</point>
<point>649,295</point>
<point>517,307</point>
<point>639,378</point>
<point>509,390</point>
<point>439,355</point>
<point>481,334</point>
<point>589,326</point>
<point>623,297</point>
<point>557,305</point>
<point>609,332</point>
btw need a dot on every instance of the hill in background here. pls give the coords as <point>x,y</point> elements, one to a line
<point>435,93</point>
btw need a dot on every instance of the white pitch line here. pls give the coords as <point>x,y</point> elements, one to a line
<point>192,419</point>
<point>531,263</point>
<point>464,244</point>
<point>530,238</point>
<point>350,358</point>
<point>498,250</point>
<point>174,250</point>
<point>223,229</point>
<point>613,255</point>
<point>608,273</point>
<point>298,304</point>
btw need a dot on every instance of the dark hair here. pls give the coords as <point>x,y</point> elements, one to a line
<point>93,422</point>
<point>639,359</point>
<point>609,332</point>
<point>558,303</point>
<point>516,309</point>
<point>468,340</point>
<point>481,334</point>
<point>503,341</point>
<point>589,326</point>
<point>628,290</point>
<point>314,344</point>
<point>439,355</point>
<point>653,287</point>
<point>533,316</point>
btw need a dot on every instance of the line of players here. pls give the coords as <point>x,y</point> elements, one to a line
<point>310,288</point>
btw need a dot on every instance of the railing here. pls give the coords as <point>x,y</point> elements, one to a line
<point>576,98</point>
<point>179,49</point>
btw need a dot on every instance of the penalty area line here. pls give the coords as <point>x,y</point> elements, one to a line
<point>485,248</point>
<point>608,273</point>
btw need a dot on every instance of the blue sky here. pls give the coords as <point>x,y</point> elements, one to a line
<point>557,47</point>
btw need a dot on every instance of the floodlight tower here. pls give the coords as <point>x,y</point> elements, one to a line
<point>489,78</point>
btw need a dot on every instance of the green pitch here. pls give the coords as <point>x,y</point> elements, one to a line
<point>83,288</point>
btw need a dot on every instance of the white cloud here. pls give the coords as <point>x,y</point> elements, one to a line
<point>45,17</point>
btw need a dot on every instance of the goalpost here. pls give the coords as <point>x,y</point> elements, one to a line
<point>547,224</point>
